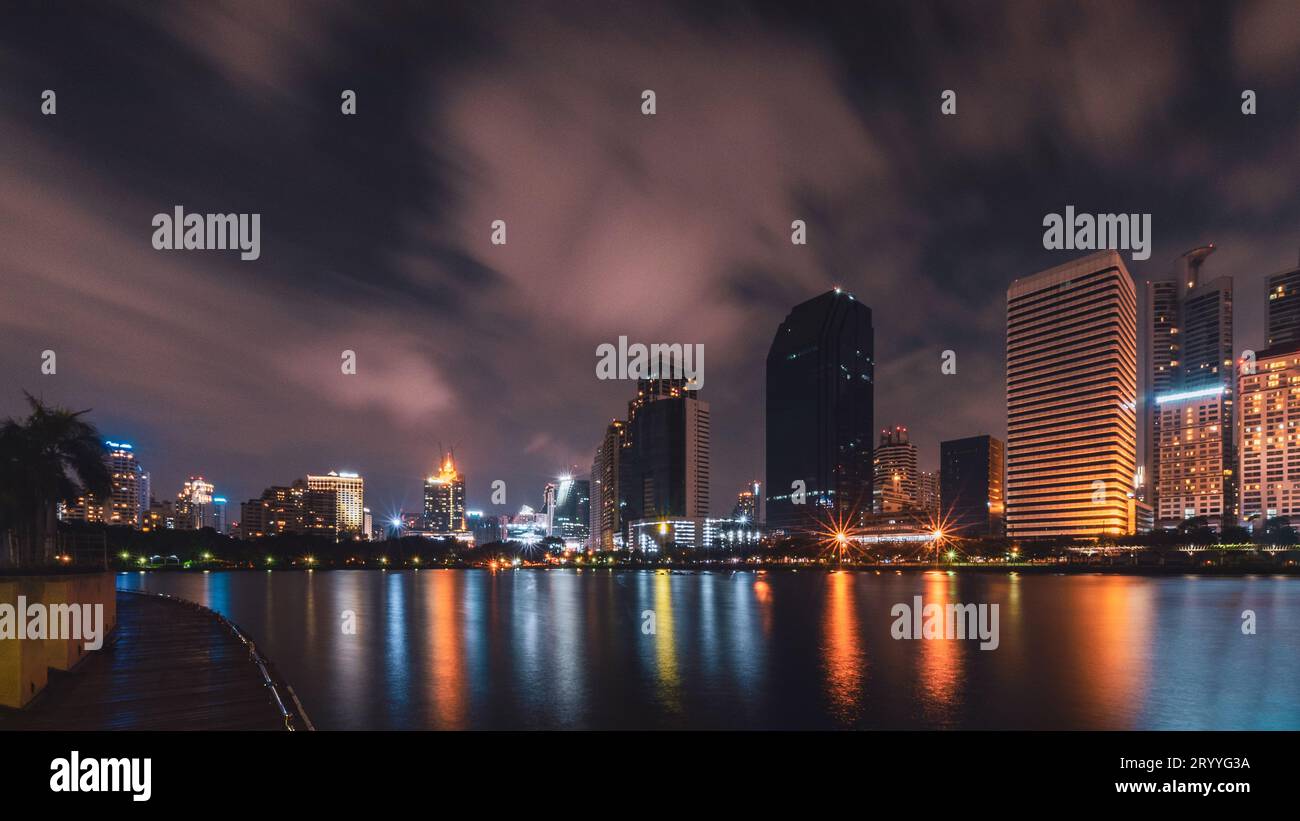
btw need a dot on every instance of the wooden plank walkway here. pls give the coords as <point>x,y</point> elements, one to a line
<point>170,666</point>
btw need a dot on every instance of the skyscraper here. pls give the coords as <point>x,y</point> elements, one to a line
<point>444,499</point>
<point>927,492</point>
<point>340,495</point>
<point>606,517</point>
<point>568,510</point>
<point>194,504</point>
<point>896,482</point>
<point>747,504</point>
<point>819,422</point>
<point>1270,435</point>
<point>971,478</point>
<point>129,480</point>
<point>1072,400</point>
<point>1284,309</point>
<point>664,464</point>
<point>1189,402</point>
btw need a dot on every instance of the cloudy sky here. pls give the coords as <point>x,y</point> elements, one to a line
<point>671,228</point>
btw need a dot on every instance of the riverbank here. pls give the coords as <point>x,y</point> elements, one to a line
<point>168,665</point>
<point>1236,569</point>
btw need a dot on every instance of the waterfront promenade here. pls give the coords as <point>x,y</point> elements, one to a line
<point>170,665</point>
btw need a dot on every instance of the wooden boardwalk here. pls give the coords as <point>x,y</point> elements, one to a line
<point>169,666</point>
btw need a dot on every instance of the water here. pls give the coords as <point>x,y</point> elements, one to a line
<point>473,649</point>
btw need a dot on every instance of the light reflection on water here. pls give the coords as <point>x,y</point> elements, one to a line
<point>470,649</point>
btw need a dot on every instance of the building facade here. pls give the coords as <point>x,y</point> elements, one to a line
<point>896,481</point>
<point>606,517</point>
<point>972,497</point>
<point>819,413</point>
<point>1072,400</point>
<point>444,500</point>
<point>338,497</point>
<point>1270,436</point>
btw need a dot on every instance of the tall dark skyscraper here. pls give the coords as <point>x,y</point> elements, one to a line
<point>972,475</point>
<point>820,389</point>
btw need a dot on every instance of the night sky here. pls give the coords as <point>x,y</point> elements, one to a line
<point>668,228</point>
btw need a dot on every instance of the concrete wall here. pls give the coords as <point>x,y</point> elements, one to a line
<point>25,664</point>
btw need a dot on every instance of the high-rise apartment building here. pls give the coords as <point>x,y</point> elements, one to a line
<point>194,504</point>
<point>1191,465</point>
<point>895,486</point>
<point>1072,400</point>
<point>339,496</point>
<point>1270,435</point>
<point>819,423</point>
<point>606,517</point>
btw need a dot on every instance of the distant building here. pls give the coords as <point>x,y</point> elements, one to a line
<point>486,529</point>
<point>1072,400</point>
<point>160,516</point>
<point>895,486</point>
<point>130,492</point>
<point>1188,411</point>
<point>340,496</point>
<point>971,478</point>
<point>444,500</point>
<point>1270,418</point>
<point>606,517</point>
<point>527,527</point>
<point>194,504</point>
<point>690,533</point>
<point>219,514</point>
<point>927,492</point>
<point>127,501</point>
<point>1284,309</point>
<point>747,504</point>
<point>664,460</point>
<point>819,412</point>
<point>568,510</point>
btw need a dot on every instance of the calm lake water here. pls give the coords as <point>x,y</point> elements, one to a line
<point>473,649</point>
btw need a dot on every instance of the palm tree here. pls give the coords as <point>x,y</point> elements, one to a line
<point>39,458</point>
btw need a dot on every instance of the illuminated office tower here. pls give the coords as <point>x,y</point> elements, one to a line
<point>342,496</point>
<point>568,510</point>
<point>606,518</point>
<point>194,504</point>
<point>444,499</point>
<point>819,419</point>
<point>1190,469</point>
<point>895,485</point>
<point>1270,435</point>
<point>1072,400</point>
